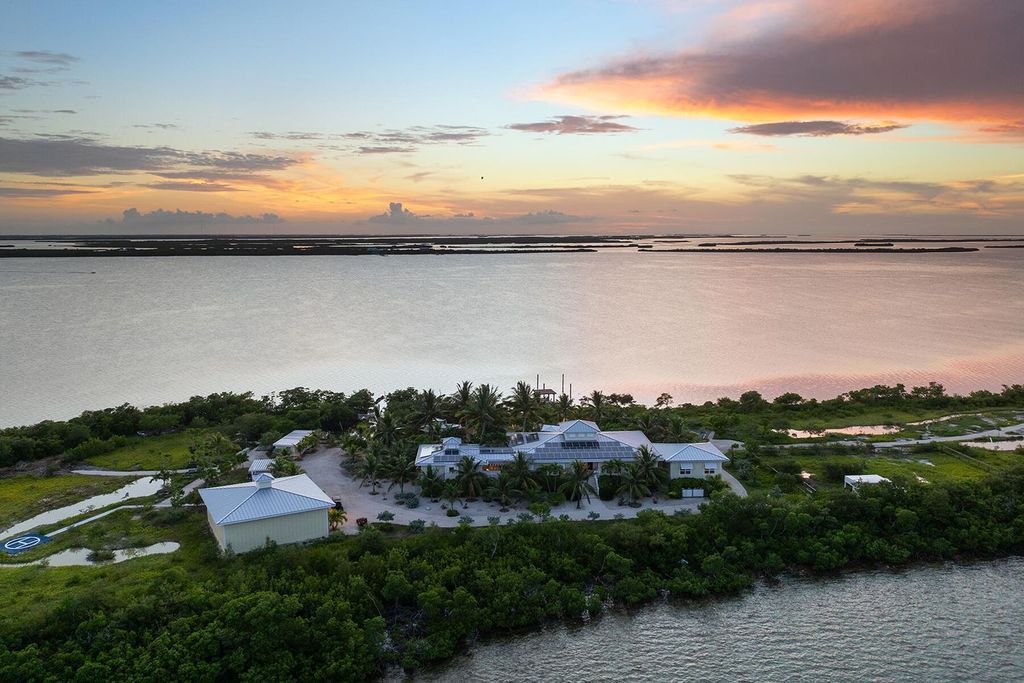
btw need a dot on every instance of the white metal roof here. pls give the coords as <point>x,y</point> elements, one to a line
<point>854,479</point>
<point>690,452</point>
<point>541,445</point>
<point>251,501</point>
<point>290,439</point>
<point>260,465</point>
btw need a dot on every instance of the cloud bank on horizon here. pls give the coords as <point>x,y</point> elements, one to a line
<point>719,116</point>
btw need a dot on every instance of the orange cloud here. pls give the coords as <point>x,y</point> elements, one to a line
<point>941,60</point>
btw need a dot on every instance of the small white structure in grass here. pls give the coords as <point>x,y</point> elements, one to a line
<point>259,466</point>
<point>291,440</point>
<point>245,516</point>
<point>855,481</point>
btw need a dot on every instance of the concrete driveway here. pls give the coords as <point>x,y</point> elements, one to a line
<point>324,468</point>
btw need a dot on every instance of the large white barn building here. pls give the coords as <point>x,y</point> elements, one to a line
<point>565,442</point>
<point>245,516</point>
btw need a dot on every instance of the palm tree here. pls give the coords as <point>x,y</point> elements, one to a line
<point>564,406</point>
<point>336,517</point>
<point>597,403</point>
<point>385,431</point>
<point>632,486</point>
<point>353,445</point>
<point>451,493</point>
<point>648,469</point>
<point>428,409</point>
<point>524,403</point>
<point>401,470</point>
<point>518,470</point>
<point>651,424</point>
<point>368,469</point>
<point>577,483</point>
<point>483,410</point>
<point>676,431</point>
<point>613,466</point>
<point>460,400</point>
<point>550,473</point>
<point>470,477</point>
<point>431,482</point>
<point>503,488</point>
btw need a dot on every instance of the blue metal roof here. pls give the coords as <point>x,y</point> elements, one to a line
<point>274,498</point>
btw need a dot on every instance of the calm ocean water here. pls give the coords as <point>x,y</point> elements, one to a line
<point>929,623</point>
<point>89,333</point>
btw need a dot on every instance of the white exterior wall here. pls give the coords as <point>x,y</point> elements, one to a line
<point>218,531</point>
<point>246,536</point>
<point>696,469</point>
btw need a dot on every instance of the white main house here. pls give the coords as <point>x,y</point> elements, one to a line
<point>565,442</point>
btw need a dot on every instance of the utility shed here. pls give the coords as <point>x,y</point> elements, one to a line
<point>245,516</point>
<point>259,467</point>
<point>291,440</point>
<point>855,481</point>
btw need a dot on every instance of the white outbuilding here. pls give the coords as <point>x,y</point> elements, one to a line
<point>245,516</point>
<point>855,481</point>
<point>291,440</point>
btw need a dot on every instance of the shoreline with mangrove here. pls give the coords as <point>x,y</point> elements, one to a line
<point>72,246</point>
<point>354,606</point>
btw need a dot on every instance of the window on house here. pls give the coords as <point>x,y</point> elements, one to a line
<point>685,471</point>
<point>451,451</point>
<point>710,469</point>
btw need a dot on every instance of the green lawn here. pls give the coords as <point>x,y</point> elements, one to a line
<point>26,496</point>
<point>943,467</point>
<point>149,453</point>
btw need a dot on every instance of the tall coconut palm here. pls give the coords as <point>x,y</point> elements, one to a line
<point>431,482</point>
<point>459,401</point>
<point>577,483</point>
<point>632,485</point>
<point>353,445</point>
<point>428,409</point>
<point>563,407</point>
<point>470,477</point>
<point>648,468</point>
<point>651,424</point>
<point>503,489</point>
<point>401,470</point>
<point>451,493</point>
<point>613,466</point>
<point>368,469</point>
<point>483,411</point>
<point>386,430</point>
<point>524,404</point>
<point>597,402</point>
<point>519,471</point>
<point>550,474</point>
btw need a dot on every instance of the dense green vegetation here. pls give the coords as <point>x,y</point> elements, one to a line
<point>345,608</point>
<point>481,413</point>
<point>150,453</point>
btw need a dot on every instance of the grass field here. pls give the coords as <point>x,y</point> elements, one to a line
<point>25,496</point>
<point>149,453</point>
<point>934,464</point>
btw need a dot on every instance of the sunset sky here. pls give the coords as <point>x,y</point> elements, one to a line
<point>742,116</point>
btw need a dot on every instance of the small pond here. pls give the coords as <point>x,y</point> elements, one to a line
<point>79,557</point>
<point>146,486</point>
